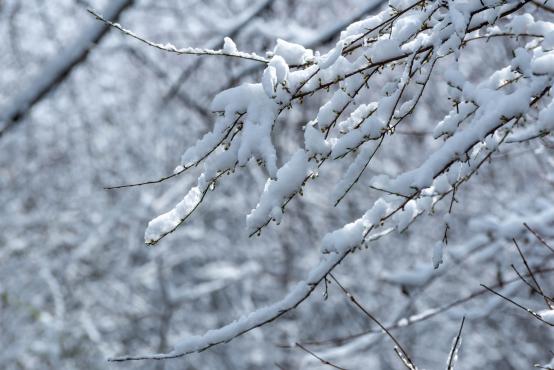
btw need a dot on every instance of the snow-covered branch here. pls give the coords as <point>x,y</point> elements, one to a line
<point>229,47</point>
<point>372,81</point>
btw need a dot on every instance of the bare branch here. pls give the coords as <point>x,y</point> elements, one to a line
<point>531,274</point>
<point>323,361</point>
<point>400,351</point>
<point>547,298</point>
<point>419,317</point>
<point>539,238</point>
<point>529,311</point>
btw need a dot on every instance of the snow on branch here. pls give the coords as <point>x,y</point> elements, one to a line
<point>402,45</point>
<point>229,48</point>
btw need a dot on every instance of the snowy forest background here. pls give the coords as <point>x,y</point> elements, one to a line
<point>78,285</point>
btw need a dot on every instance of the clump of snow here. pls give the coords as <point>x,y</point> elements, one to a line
<point>548,42</point>
<point>521,61</point>
<point>327,60</point>
<point>441,184</point>
<point>289,180</point>
<point>404,217</point>
<point>314,141</point>
<point>543,64</point>
<point>170,220</point>
<point>328,112</point>
<point>275,73</point>
<point>459,19</point>
<point>438,251</point>
<point>281,67</point>
<point>229,45</point>
<point>373,216</point>
<point>292,53</point>
<point>345,238</point>
<point>260,116</point>
<point>383,50</point>
<point>269,81</point>
<point>520,23</point>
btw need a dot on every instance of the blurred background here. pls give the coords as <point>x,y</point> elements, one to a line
<point>77,283</point>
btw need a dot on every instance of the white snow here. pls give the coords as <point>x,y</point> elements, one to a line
<point>547,315</point>
<point>292,53</point>
<point>343,239</point>
<point>281,68</point>
<point>472,130</point>
<point>543,64</point>
<point>289,180</point>
<point>327,60</point>
<point>269,81</point>
<point>170,220</point>
<point>438,252</point>
<point>229,45</point>
<point>314,140</point>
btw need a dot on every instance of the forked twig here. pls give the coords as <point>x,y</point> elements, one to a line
<point>531,274</point>
<point>531,286</point>
<point>400,351</point>
<point>529,311</point>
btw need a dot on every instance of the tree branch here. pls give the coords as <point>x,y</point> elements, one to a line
<point>58,69</point>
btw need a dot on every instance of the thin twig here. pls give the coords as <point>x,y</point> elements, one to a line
<point>452,354</point>
<point>531,286</point>
<point>417,318</point>
<point>531,274</point>
<point>539,238</point>
<point>161,179</point>
<point>188,51</point>
<point>360,173</point>
<point>185,168</point>
<point>323,361</point>
<point>529,311</point>
<point>389,192</point>
<point>400,351</point>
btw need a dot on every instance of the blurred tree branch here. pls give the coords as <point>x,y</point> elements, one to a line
<point>58,69</point>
